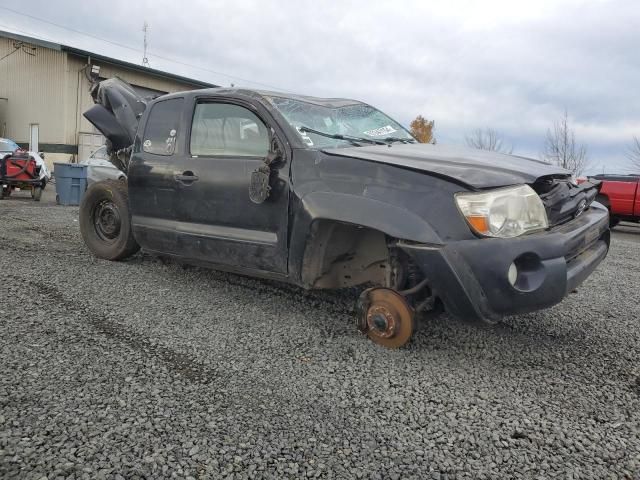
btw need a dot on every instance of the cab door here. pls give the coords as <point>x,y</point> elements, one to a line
<point>151,180</point>
<point>217,221</point>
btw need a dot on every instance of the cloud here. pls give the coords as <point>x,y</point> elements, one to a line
<point>511,66</point>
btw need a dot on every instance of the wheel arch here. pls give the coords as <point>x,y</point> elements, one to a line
<point>393,220</point>
<point>342,240</point>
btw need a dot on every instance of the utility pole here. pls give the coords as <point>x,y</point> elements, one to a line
<point>145,60</point>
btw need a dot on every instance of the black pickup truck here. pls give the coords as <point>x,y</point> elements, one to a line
<point>332,193</point>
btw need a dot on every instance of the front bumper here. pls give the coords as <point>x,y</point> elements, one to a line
<point>471,276</point>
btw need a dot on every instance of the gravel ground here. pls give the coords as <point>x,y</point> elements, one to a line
<point>141,369</point>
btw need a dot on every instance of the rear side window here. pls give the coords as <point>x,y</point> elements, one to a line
<point>223,129</point>
<point>161,130</point>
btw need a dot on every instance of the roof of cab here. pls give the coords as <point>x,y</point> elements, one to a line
<point>264,95</point>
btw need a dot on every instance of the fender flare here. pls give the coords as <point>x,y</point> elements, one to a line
<point>395,221</point>
<point>389,219</point>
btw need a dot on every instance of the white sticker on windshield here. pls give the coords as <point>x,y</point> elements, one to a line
<point>378,132</point>
<point>305,137</point>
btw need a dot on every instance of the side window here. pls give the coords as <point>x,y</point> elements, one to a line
<point>100,154</point>
<point>227,130</point>
<point>162,127</point>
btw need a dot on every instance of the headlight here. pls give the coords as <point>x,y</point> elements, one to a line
<point>505,212</point>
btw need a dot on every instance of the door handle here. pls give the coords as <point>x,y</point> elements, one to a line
<point>186,178</point>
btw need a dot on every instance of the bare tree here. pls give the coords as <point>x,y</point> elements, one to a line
<point>560,147</point>
<point>488,139</point>
<point>633,154</point>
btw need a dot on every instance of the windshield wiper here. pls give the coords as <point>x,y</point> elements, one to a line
<point>337,136</point>
<point>398,139</point>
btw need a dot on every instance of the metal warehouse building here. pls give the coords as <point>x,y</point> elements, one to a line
<point>44,89</point>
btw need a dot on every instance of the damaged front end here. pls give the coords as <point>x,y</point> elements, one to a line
<point>564,200</point>
<point>486,279</point>
<point>116,114</point>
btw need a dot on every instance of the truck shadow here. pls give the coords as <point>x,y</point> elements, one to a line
<point>332,314</point>
<point>627,227</point>
<point>626,231</point>
<point>322,325</point>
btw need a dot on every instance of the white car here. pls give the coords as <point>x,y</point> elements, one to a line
<point>100,168</point>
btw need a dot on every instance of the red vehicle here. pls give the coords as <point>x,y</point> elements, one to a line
<point>20,170</point>
<point>621,195</point>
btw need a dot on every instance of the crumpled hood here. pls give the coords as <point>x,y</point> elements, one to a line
<point>475,168</point>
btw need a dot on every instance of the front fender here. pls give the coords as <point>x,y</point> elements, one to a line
<point>341,207</point>
<point>398,202</point>
<point>368,212</point>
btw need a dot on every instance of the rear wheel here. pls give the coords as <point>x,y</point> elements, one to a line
<point>105,220</point>
<point>36,193</point>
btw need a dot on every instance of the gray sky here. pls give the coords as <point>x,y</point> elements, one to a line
<point>510,65</point>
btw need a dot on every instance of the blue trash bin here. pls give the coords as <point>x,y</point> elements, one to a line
<point>71,182</point>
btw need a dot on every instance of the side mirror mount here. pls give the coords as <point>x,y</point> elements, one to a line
<point>276,151</point>
<point>261,178</point>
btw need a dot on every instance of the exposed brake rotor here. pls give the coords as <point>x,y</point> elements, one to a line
<point>386,317</point>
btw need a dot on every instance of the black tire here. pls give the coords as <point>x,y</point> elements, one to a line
<point>36,193</point>
<point>613,221</point>
<point>105,220</point>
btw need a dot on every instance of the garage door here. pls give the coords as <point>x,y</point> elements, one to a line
<point>88,143</point>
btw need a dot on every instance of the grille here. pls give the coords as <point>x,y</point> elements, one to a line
<point>564,200</point>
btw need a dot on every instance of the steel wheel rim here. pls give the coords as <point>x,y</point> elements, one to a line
<point>107,221</point>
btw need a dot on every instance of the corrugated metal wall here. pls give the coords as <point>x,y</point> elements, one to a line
<point>33,86</point>
<point>76,77</point>
<point>50,89</point>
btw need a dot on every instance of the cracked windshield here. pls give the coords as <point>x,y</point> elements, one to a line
<point>356,120</point>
